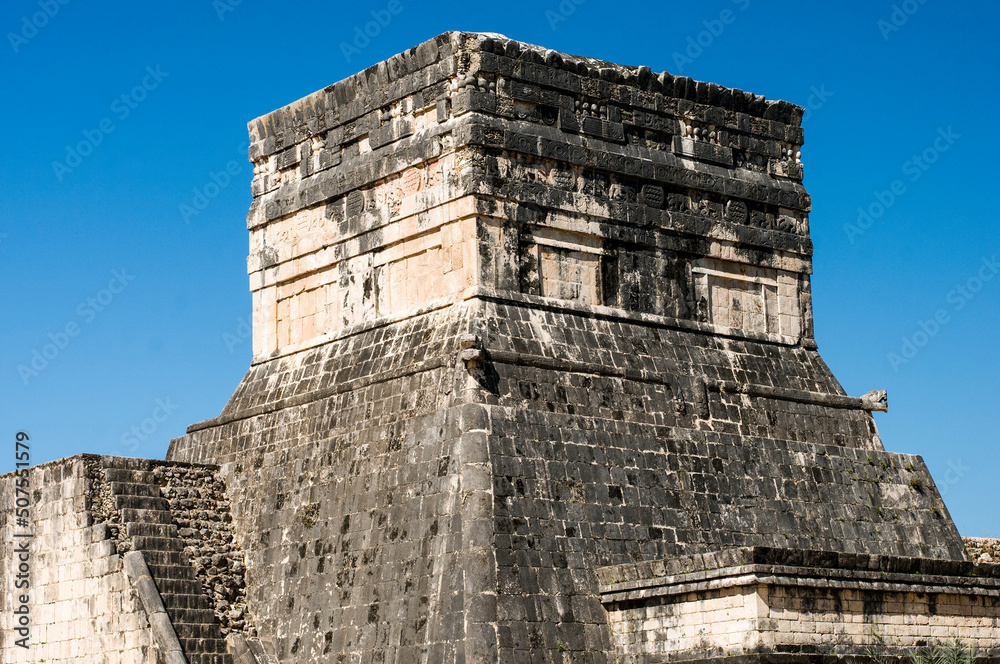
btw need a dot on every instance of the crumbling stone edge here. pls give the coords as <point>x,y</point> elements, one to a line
<point>200,509</point>
<point>101,503</point>
<point>982,549</point>
<point>246,651</point>
<point>164,635</point>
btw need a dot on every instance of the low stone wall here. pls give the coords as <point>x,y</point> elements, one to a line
<point>758,601</point>
<point>81,606</point>
<point>85,514</point>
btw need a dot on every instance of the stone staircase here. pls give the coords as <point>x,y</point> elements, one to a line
<point>145,524</point>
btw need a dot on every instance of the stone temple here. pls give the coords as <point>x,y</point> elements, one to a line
<point>534,379</point>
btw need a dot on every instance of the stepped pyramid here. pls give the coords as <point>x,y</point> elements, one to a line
<point>534,380</point>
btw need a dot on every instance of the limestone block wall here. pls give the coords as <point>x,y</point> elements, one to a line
<point>477,160</point>
<point>903,619</point>
<point>354,447</point>
<point>573,493</point>
<point>713,622</point>
<point>752,619</point>
<point>352,499</point>
<point>560,231</point>
<point>378,226</point>
<point>82,608</point>
<point>85,513</point>
<point>476,167</point>
<point>361,554</point>
<point>613,267</point>
<point>789,601</point>
<point>341,264</point>
<point>645,368</point>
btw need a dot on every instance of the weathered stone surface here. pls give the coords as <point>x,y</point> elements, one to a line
<point>521,317</point>
<point>541,314</point>
<point>762,601</point>
<point>81,605</point>
<point>983,549</point>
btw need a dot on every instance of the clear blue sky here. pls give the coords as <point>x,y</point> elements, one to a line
<point>168,345</point>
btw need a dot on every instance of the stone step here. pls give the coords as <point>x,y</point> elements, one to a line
<point>193,646</point>
<point>165,559</point>
<point>170,572</point>
<point>132,489</point>
<point>178,587</point>
<point>203,631</point>
<point>134,529</point>
<point>130,463</point>
<point>146,543</point>
<point>134,515</point>
<point>187,601</point>
<point>223,658</point>
<point>192,616</point>
<point>142,503</point>
<point>215,658</point>
<point>112,475</point>
<point>147,518</point>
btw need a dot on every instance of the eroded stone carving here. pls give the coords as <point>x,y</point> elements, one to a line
<point>877,399</point>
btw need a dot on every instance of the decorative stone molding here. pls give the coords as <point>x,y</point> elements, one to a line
<point>764,601</point>
<point>874,400</point>
<point>471,354</point>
